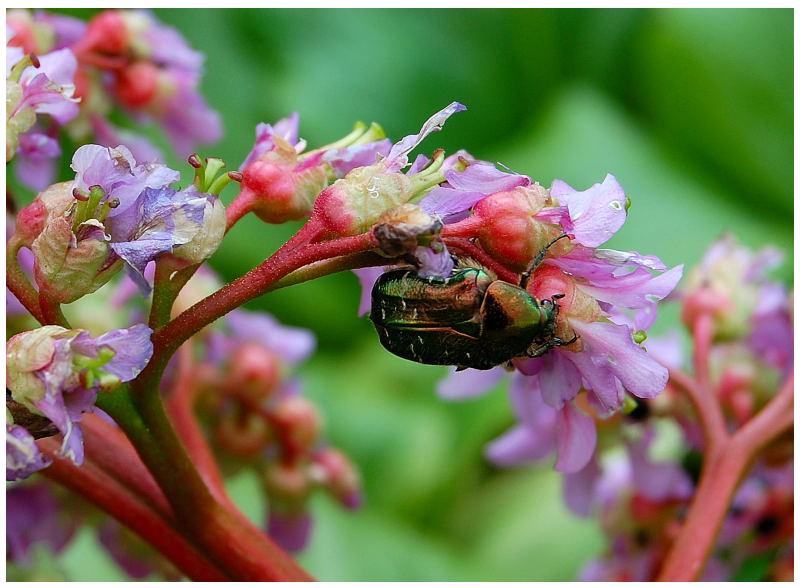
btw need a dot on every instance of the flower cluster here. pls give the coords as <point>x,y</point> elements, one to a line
<point>121,60</point>
<point>606,298</point>
<point>57,373</point>
<point>258,419</point>
<point>640,504</point>
<point>116,213</point>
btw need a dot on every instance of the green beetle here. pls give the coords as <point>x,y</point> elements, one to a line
<point>469,319</point>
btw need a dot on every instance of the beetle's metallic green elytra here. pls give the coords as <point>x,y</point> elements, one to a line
<point>468,319</point>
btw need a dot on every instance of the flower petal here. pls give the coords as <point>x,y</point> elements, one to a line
<point>595,214</point>
<point>579,489</point>
<point>398,155</point>
<point>559,379</point>
<point>576,439</point>
<point>469,383</point>
<point>612,345</point>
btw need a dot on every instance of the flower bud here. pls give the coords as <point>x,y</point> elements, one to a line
<point>509,229</point>
<point>208,237</point>
<point>338,474</point>
<point>550,281</point>
<point>287,482</point>
<point>354,203</point>
<point>254,372</point>
<point>70,265</point>
<point>300,421</point>
<point>107,33</point>
<point>243,434</point>
<point>728,284</point>
<point>26,354</point>
<point>138,84</point>
<point>279,188</point>
<point>289,528</point>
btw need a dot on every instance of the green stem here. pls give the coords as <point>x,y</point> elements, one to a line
<point>238,549</point>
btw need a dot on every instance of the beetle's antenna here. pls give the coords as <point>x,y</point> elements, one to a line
<point>526,275</point>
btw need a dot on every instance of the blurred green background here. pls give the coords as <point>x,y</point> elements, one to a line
<point>690,109</point>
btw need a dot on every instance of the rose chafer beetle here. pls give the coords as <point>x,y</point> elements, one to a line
<point>469,319</point>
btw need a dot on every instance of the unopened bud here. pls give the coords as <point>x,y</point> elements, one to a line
<point>287,482</point>
<point>509,229</point>
<point>254,372</point>
<point>300,421</point>
<point>245,435</point>
<point>339,476</point>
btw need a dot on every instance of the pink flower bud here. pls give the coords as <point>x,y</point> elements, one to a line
<point>137,85</point>
<point>287,482</point>
<point>107,33</point>
<point>254,372</point>
<point>339,476</point>
<point>242,434</point>
<point>353,204</point>
<point>279,189</point>
<point>509,229</point>
<point>53,201</point>
<point>705,301</point>
<point>300,422</point>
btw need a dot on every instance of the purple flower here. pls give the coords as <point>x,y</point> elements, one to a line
<point>367,276</point>
<point>23,457</point>
<point>290,530</point>
<point>463,189</point>
<point>116,172</point>
<point>291,344</point>
<point>34,517</point>
<point>36,160</point>
<point>543,430</point>
<point>57,373</point>
<point>187,119</point>
<point>159,221</point>
<point>109,135</point>
<point>160,43</point>
<point>66,29</point>
<point>622,281</point>
<point>397,159</point>
<point>49,88</point>
<point>594,215</point>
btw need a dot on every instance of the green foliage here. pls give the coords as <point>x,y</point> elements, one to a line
<point>690,109</point>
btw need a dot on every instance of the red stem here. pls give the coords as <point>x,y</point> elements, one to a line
<point>91,483</point>
<point>723,470</point>
<point>469,248</point>
<point>293,255</point>
<point>238,208</point>
<point>465,228</point>
<point>180,405</point>
<point>18,282</point>
<point>708,411</point>
<point>109,448</point>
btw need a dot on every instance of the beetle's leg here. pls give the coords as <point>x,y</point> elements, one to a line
<point>558,342</point>
<point>526,275</point>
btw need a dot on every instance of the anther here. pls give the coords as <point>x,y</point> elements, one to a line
<point>194,161</point>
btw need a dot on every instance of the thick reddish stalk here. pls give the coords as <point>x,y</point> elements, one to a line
<point>238,208</point>
<point>94,485</point>
<point>18,282</point>
<point>467,247</point>
<point>180,406</point>
<point>724,468</point>
<point>249,286</point>
<point>709,413</point>
<point>109,448</point>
